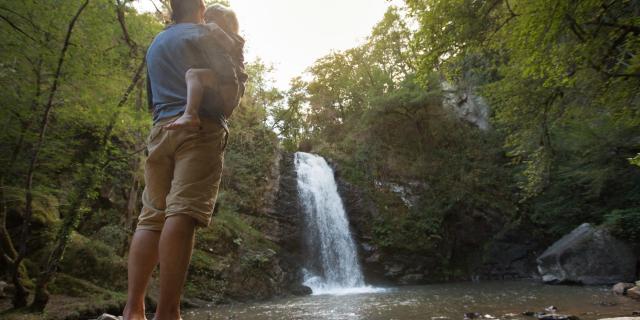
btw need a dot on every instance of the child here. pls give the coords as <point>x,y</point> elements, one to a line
<point>223,29</point>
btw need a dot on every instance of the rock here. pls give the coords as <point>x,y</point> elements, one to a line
<point>622,318</point>
<point>300,290</point>
<point>554,316</point>
<point>472,315</point>
<point>414,278</point>
<point>549,316</point>
<point>394,270</point>
<point>3,285</point>
<point>587,255</point>
<point>551,309</point>
<point>621,288</point>
<point>635,313</point>
<point>373,258</point>
<point>634,293</point>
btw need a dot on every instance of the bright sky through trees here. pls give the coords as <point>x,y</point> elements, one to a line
<point>292,34</point>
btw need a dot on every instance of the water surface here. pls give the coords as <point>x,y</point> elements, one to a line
<point>434,302</point>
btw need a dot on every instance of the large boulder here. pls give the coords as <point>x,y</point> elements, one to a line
<point>587,255</point>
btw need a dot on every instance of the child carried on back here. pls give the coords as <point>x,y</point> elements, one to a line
<point>223,29</point>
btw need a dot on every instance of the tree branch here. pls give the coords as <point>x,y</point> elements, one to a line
<point>15,27</point>
<point>120,6</point>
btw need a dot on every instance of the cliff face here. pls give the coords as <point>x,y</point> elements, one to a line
<point>282,223</point>
<point>478,245</point>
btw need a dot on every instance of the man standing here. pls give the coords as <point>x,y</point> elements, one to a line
<point>183,168</point>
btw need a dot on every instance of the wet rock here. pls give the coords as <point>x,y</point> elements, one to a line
<point>635,313</point>
<point>552,309</point>
<point>394,270</point>
<point>374,258</point>
<point>367,247</point>
<point>622,318</point>
<point>621,288</point>
<point>587,255</point>
<point>554,316</point>
<point>472,315</point>
<point>300,290</point>
<point>549,316</point>
<point>634,293</point>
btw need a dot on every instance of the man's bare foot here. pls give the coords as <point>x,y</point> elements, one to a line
<point>186,121</point>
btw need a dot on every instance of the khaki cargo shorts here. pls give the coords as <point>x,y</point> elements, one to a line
<point>182,173</point>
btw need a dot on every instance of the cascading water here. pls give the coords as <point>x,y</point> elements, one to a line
<point>333,266</point>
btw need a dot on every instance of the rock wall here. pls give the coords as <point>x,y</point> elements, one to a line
<point>284,224</point>
<point>477,246</point>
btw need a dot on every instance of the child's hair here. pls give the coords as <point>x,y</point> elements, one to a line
<point>223,16</point>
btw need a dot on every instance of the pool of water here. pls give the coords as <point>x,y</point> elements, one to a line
<point>434,302</point>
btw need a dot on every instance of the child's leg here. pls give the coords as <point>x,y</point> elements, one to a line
<point>197,80</point>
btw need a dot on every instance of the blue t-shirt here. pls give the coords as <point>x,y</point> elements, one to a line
<point>173,52</point>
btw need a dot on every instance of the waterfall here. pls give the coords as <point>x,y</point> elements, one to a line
<point>332,266</point>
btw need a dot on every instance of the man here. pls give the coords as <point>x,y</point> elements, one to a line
<point>183,169</point>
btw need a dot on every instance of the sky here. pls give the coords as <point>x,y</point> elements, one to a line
<point>291,35</point>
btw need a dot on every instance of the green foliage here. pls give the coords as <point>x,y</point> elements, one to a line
<point>635,160</point>
<point>253,146</point>
<point>624,224</point>
<point>561,78</point>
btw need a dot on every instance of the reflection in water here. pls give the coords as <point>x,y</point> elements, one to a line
<point>434,302</point>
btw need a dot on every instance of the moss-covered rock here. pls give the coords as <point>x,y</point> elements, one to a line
<point>44,220</point>
<point>94,261</point>
<point>234,261</point>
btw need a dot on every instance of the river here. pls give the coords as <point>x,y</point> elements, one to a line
<point>501,299</point>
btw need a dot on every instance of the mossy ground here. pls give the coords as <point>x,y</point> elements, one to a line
<point>71,298</point>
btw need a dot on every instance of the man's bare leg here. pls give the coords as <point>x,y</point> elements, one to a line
<point>176,245</point>
<point>197,80</point>
<point>143,258</point>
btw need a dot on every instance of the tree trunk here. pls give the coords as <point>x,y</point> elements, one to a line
<point>91,177</point>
